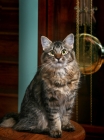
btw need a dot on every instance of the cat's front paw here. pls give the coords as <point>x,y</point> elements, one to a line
<point>68,127</point>
<point>55,133</point>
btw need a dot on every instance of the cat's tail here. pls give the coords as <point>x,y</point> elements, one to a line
<point>9,120</point>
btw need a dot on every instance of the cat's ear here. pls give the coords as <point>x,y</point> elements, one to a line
<point>69,41</point>
<point>45,43</point>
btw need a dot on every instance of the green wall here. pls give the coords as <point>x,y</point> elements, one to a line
<point>28,44</point>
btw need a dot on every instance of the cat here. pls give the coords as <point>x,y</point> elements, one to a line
<point>49,98</point>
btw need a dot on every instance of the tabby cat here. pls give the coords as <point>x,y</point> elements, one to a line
<point>49,99</point>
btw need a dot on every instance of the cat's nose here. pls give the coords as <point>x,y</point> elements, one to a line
<point>58,56</point>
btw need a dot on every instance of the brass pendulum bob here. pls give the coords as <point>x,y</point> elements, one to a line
<point>91,54</point>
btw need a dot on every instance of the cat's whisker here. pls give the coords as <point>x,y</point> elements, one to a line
<point>49,69</point>
<point>45,66</point>
<point>41,65</point>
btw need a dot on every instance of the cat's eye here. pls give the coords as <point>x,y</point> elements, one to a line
<point>51,53</point>
<point>64,51</point>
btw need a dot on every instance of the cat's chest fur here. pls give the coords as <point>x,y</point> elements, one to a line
<point>59,79</point>
<point>59,87</point>
<point>56,78</point>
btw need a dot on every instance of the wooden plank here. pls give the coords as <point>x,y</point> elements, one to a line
<point>10,3</point>
<point>8,103</point>
<point>9,20</point>
<point>8,77</point>
<point>8,50</point>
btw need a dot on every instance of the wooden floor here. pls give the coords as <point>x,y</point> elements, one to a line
<point>10,134</point>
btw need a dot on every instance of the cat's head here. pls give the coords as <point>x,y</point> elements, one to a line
<point>59,53</point>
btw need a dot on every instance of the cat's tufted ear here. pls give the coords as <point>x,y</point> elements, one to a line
<point>45,43</point>
<point>69,41</point>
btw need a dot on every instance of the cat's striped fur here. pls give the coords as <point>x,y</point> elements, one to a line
<point>49,99</point>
